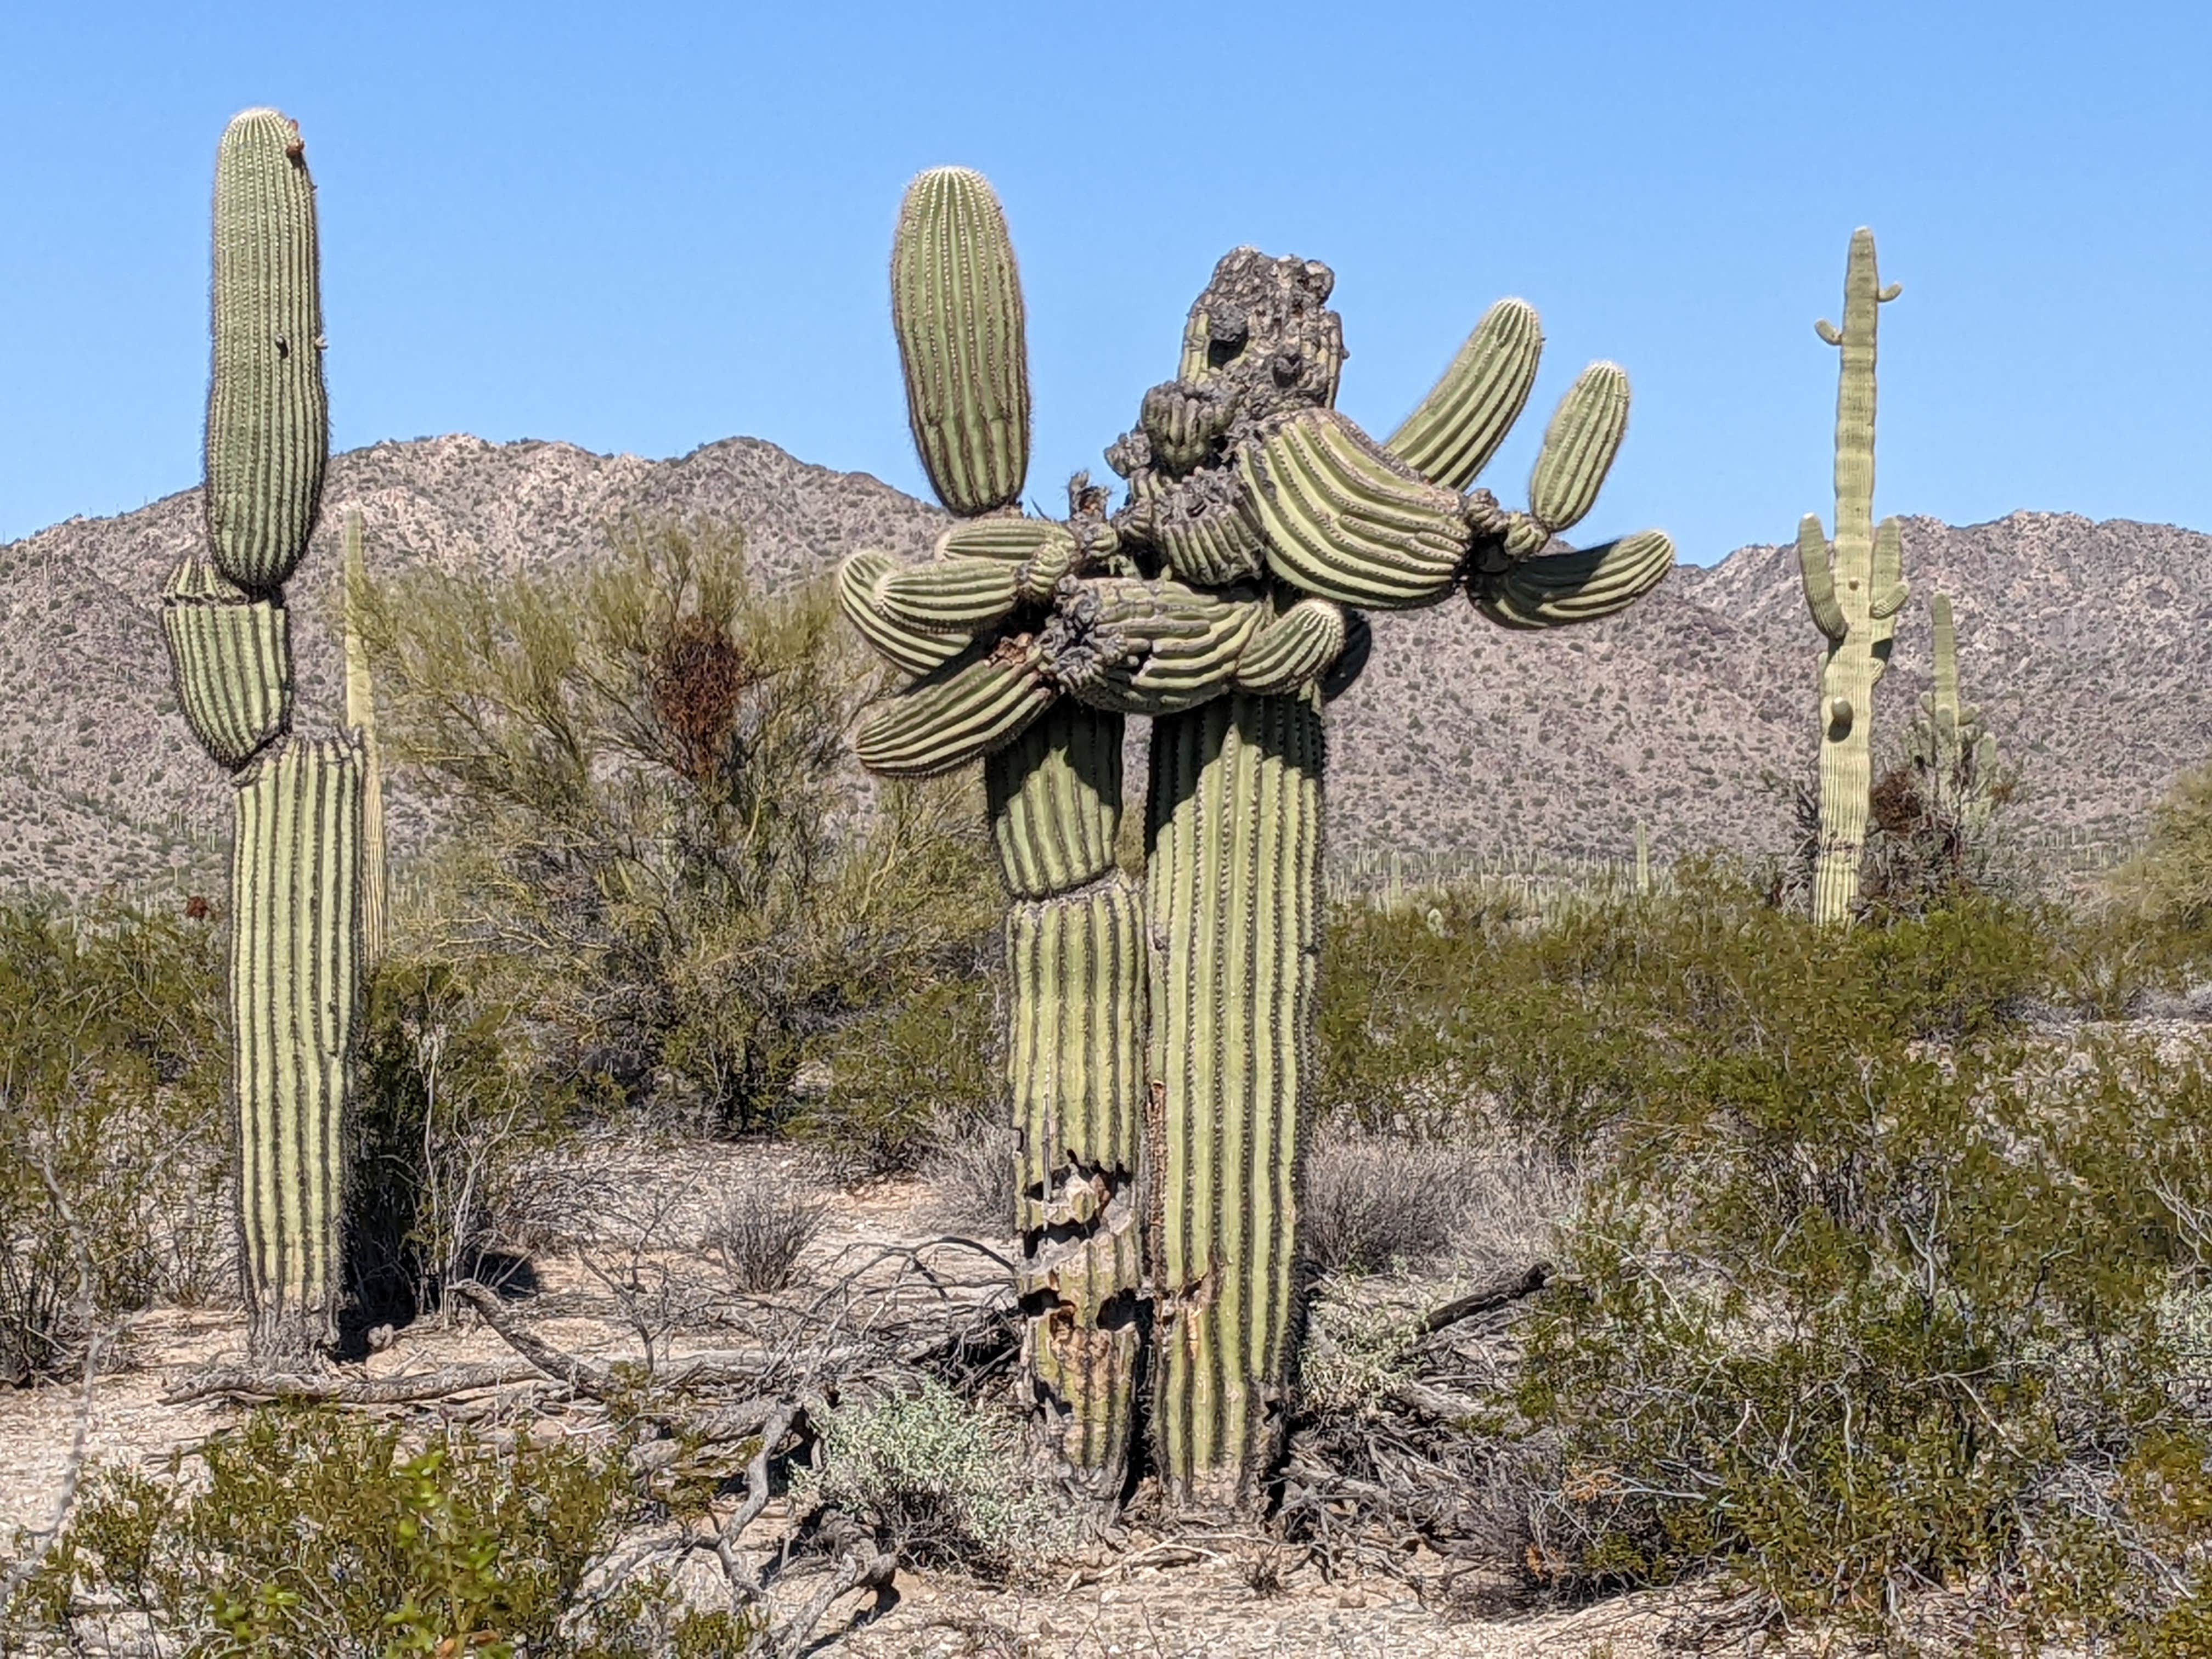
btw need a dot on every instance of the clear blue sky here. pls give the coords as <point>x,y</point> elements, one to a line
<point>643,227</point>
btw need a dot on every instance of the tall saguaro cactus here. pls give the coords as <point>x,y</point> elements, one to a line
<point>1219,601</point>
<point>1854,586</point>
<point>295,870</point>
<point>1074,929</point>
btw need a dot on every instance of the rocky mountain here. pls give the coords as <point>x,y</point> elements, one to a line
<point>2087,646</point>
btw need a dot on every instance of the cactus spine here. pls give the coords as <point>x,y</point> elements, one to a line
<point>360,717</point>
<point>295,868</point>
<point>1854,586</point>
<point>1214,601</point>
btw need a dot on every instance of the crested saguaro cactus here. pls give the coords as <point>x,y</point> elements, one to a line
<point>295,871</point>
<point>1855,587</point>
<point>1224,601</point>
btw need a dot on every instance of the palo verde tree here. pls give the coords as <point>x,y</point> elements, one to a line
<point>1224,600</point>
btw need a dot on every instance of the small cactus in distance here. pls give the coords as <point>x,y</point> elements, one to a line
<point>1854,586</point>
<point>295,869</point>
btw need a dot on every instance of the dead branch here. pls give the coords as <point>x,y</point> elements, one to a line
<point>587,1377</point>
<point>242,1383</point>
<point>1486,1299</point>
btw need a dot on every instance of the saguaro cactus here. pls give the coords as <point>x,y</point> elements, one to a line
<point>295,880</point>
<point>1218,601</point>
<point>1074,945</point>
<point>1956,756</point>
<point>1855,587</point>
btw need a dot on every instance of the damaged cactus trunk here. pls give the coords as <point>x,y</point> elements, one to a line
<point>1075,1060</point>
<point>1234,897</point>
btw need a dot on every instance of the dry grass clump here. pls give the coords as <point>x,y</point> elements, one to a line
<point>764,1222</point>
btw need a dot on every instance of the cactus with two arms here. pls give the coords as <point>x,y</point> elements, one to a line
<point>296,864</point>
<point>1160,1046</point>
<point>1855,587</point>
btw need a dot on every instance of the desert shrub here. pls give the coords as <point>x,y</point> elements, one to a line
<point>113,1142</point>
<point>1369,1202</point>
<point>970,1169</point>
<point>2170,882</point>
<point>1867,1300</point>
<point>763,1220</point>
<point>943,1484</point>
<point>309,1531</point>
<point>657,851</point>
<point>897,1076</point>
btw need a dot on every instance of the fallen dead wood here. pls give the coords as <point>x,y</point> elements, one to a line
<point>1486,1299</point>
<point>242,1383</point>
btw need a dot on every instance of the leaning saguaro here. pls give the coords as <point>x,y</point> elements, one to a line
<point>1223,600</point>
<point>1855,587</point>
<point>295,870</point>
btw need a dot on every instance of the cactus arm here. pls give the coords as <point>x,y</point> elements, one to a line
<point>914,650</point>
<point>1346,521</point>
<point>955,715</point>
<point>1579,447</point>
<point>1564,588</point>
<point>1294,650</point>
<point>1886,604</point>
<point>1003,536</point>
<point>1358,645</point>
<point>951,596</point>
<point>230,660</point>
<point>956,307</point>
<point>1819,578</point>
<point>1137,646</point>
<point>1454,431</point>
<point>268,428</point>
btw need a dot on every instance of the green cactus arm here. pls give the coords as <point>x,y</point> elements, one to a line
<point>914,650</point>
<point>1946,700</point>
<point>950,596</point>
<point>1563,588</point>
<point>1137,646</point>
<point>1351,662</point>
<point>1454,431</point>
<point>1819,578</point>
<point>1344,521</point>
<point>1579,447</point>
<point>268,425</point>
<point>956,308</point>
<point>1003,536</point>
<point>230,660</point>
<point>1890,588</point>
<point>959,714</point>
<point>1293,650</point>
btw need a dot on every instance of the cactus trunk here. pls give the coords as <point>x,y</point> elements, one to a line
<point>1855,587</point>
<point>1233,892</point>
<point>295,989</point>
<point>1075,962</point>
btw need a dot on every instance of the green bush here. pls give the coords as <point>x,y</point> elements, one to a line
<point>113,1141</point>
<point>656,851</point>
<point>2171,882</point>
<point>895,1079</point>
<point>309,1531</point>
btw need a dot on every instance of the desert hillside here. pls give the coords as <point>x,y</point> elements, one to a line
<point>2089,646</point>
